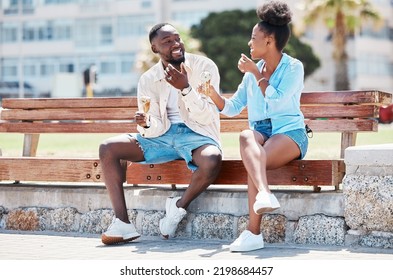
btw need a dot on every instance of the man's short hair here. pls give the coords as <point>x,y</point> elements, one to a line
<point>154,30</point>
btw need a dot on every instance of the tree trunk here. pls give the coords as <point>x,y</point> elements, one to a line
<point>341,81</point>
<point>339,53</point>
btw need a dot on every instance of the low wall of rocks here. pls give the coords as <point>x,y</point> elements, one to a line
<point>368,195</point>
<point>219,213</point>
<point>360,214</point>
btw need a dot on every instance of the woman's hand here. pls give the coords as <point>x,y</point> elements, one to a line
<point>245,64</point>
<point>207,90</point>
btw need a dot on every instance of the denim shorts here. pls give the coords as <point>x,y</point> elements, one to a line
<point>177,143</point>
<point>299,136</point>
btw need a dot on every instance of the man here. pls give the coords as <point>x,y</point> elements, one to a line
<point>180,124</point>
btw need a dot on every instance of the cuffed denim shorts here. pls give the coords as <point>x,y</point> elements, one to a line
<point>299,136</point>
<point>177,143</point>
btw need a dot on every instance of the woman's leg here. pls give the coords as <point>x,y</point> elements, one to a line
<point>259,156</point>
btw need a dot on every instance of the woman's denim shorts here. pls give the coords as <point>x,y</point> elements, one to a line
<point>299,136</point>
<point>177,143</point>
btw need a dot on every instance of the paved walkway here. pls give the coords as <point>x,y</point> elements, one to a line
<point>53,246</point>
<point>48,255</point>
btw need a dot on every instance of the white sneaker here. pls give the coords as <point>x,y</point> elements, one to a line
<point>174,215</point>
<point>265,202</point>
<point>119,232</point>
<point>247,241</point>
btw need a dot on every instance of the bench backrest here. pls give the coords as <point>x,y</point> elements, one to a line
<point>336,111</point>
<point>347,112</point>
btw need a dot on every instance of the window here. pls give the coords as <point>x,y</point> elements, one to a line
<point>9,33</point>
<point>134,25</point>
<point>84,33</point>
<point>105,35</point>
<point>29,70</point>
<point>127,63</point>
<point>10,68</point>
<point>66,68</point>
<point>62,30</point>
<point>385,32</point>
<point>374,64</point>
<point>47,69</point>
<point>107,67</point>
<point>29,33</point>
<point>189,18</point>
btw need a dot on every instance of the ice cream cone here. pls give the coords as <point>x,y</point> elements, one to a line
<point>145,101</point>
<point>206,77</point>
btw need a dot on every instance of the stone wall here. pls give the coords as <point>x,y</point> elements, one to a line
<point>368,194</point>
<point>219,213</point>
<point>360,214</point>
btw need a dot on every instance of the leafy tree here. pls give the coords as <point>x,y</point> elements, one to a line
<point>341,17</point>
<point>225,35</point>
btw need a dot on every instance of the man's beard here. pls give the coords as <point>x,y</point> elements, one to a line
<point>177,62</point>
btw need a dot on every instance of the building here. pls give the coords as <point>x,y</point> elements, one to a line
<point>50,43</point>
<point>370,52</point>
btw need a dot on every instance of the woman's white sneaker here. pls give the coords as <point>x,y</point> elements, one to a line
<point>247,241</point>
<point>119,232</point>
<point>265,202</point>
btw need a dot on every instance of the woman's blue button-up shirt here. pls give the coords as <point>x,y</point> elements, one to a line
<point>281,102</point>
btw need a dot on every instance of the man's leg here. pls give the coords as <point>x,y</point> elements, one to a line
<point>208,158</point>
<point>113,152</point>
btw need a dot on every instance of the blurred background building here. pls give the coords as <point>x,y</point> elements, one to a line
<point>47,45</point>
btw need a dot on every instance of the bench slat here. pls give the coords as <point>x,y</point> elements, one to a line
<point>340,111</point>
<point>331,125</point>
<point>69,127</point>
<point>346,97</point>
<point>50,169</point>
<point>234,126</point>
<point>46,103</point>
<point>70,114</point>
<point>342,97</point>
<point>298,172</point>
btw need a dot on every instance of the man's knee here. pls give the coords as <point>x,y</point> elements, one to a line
<point>212,163</point>
<point>103,149</point>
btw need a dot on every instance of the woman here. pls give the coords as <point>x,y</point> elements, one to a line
<point>271,90</point>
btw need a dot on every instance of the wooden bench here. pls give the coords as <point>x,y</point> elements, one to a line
<point>347,112</point>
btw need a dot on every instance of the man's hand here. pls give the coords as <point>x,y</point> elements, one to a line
<point>177,79</point>
<point>142,119</point>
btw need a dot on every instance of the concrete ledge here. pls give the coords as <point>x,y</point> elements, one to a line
<point>219,213</point>
<point>369,160</point>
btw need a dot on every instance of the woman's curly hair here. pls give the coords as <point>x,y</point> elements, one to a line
<point>275,13</point>
<point>275,17</point>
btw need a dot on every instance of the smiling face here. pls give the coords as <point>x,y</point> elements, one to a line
<point>169,46</point>
<point>259,43</point>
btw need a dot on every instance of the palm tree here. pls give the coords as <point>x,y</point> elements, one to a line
<point>342,18</point>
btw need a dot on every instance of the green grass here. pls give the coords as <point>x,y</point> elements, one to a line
<point>322,145</point>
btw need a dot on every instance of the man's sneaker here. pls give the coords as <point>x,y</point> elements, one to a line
<point>174,215</point>
<point>265,202</point>
<point>247,241</point>
<point>119,232</point>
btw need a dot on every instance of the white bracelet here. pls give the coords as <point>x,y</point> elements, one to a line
<point>260,80</point>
